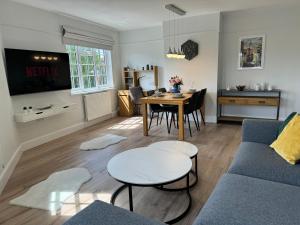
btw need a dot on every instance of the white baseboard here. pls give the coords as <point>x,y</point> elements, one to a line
<point>6,173</point>
<point>208,119</point>
<point>254,117</point>
<point>211,119</point>
<point>62,132</point>
<point>51,136</point>
<point>9,169</point>
<point>101,119</point>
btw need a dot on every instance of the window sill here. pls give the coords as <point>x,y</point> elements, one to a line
<point>90,91</point>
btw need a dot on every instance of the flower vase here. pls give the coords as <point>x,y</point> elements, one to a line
<point>175,89</point>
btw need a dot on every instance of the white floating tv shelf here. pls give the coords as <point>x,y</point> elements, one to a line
<point>25,117</point>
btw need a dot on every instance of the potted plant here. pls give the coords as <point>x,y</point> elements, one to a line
<point>175,83</point>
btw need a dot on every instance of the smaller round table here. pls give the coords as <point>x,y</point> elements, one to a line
<point>179,147</point>
<point>145,168</point>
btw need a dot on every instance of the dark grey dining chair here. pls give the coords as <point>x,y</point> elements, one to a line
<point>162,90</point>
<point>158,110</point>
<point>136,93</point>
<point>188,109</point>
<point>199,106</point>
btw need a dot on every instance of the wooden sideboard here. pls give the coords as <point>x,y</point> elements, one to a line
<point>125,103</point>
<point>247,98</point>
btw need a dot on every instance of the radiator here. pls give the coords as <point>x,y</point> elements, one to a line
<point>97,105</point>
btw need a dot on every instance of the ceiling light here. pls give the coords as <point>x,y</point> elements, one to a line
<point>173,54</point>
<point>169,53</point>
<point>175,9</point>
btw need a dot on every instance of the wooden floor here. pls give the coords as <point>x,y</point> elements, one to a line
<point>217,145</point>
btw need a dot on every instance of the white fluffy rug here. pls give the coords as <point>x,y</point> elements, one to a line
<point>101,142</point>
<point>51,193</point>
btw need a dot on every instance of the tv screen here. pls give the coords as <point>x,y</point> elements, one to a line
<point>36,71</point>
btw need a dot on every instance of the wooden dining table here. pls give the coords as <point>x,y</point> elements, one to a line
<point>167,99</point>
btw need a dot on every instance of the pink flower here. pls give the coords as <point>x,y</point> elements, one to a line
<point>175,80</point>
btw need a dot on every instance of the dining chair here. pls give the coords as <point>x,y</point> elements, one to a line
<point>163,90</point>
<point>188,109</point>
<point>136,93</point>
<point>199,106</point>
<point>157,108</point>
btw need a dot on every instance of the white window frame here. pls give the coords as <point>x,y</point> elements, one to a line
<point>108,68</point>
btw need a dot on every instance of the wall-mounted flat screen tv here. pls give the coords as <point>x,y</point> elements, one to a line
<point>35,71</point>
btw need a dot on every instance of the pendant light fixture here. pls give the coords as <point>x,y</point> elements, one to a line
<point>173,54</point>
<point>170,54</point>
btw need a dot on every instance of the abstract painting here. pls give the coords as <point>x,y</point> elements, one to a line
<point>251,52</point>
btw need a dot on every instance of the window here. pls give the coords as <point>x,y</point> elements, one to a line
<point>90,67</point>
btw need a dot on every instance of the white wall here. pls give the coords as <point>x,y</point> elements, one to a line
<point>29,28</point>
<point>24,27</point>
<point>280,24</point>
<point>202,71</point>
<point>9,138</point>
<point>141,47</point>
<point>282,67</point>
<point>148,46</point>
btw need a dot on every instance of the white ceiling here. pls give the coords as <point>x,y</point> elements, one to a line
<point>133,14</point>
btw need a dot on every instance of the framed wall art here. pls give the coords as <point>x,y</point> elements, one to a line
<point>251,52</point>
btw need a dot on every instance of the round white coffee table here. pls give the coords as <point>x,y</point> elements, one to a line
<point>179,147</point>
<point>145,168</point>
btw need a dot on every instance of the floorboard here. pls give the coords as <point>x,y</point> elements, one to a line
<point>217,145</point>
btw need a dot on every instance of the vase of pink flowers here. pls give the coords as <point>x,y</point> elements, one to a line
<point>175,83</point>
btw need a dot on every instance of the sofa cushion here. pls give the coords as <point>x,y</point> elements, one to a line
<point>261,161</point>
<point>287,144</point>
<point>241,200</point>
<point>100,213</point>
<point>285,122</point>
<point>260,131</point>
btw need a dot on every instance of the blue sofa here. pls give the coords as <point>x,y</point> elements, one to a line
<point>101,213</point>
<point>260,188</point>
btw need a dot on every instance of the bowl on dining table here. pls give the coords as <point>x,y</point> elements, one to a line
<point>157,94</point>
<point>192,90</point>
<point>177,95</point>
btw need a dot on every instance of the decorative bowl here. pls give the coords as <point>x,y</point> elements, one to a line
<point>192,90</point>
<point>157,94</point>
<point>240,87</point>
<point>178,95</point>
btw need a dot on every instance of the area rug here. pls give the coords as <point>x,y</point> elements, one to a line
<point>101,142</point>
<point>51,193</point>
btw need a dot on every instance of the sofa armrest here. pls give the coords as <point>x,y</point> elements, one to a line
<point>260,131</point>
<point>101,213</point>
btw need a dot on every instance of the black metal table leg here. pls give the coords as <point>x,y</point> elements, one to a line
<point>175,220</point>
<point>130,197</point>
<point>194,172</point>
<point>129,186</point>
<point>119,190</point>
<point>116,193</point>
<point>188,183</point>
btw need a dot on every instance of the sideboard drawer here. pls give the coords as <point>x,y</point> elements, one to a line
<point>232,101</point>
<point>263,101</point>
<point>248,98</point>
<point>248,101</point>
